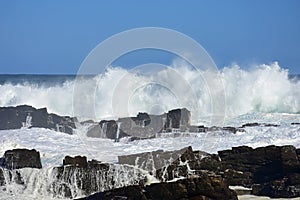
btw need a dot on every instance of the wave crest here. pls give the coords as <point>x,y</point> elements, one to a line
<point>265,88</point>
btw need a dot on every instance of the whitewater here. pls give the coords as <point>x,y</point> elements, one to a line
<point>260,89</point>
<point>263,94</point>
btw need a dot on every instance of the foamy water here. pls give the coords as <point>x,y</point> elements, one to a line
<point>264,88</point>
<point>264,94</point>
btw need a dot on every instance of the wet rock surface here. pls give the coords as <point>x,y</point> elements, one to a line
<point>142,126</point>
<point>272,171</point>
<point>202,187</point>
<point>21,158</point>
<point>28,116</point>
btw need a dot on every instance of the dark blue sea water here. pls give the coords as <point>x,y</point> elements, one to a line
<point>53,80</point>
<point>36,79</point>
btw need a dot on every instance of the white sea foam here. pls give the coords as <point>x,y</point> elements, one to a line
<point>264,88</point>
<point>53,146</point>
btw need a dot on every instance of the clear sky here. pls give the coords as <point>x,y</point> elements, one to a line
<point>55,36</point>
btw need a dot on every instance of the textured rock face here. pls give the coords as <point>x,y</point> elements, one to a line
<point>272,171</point>
<point>72,181</point>
<point>21,158</point>
<point>204,187</point>
<point>178,119</point>
<point>2,180</point>
<point>27,116</point>
<point>157,162</point>
<point>80,161</point>
<point>143,125</point>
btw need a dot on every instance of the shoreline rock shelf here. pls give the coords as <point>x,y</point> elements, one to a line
<point>142,126</point>
<point>272,171</point>
<point>28,116</point>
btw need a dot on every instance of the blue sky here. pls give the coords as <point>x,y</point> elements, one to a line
<point>55,36</point>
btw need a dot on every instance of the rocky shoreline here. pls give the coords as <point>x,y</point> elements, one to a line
<point>272,171</point>
<point>142,126</point>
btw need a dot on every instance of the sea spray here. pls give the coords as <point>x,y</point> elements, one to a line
<point>264,88</point>
<point>70,181</point>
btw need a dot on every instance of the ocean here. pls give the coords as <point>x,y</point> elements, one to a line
<point>266,94</point>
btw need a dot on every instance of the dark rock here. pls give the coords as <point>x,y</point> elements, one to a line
<point>21,158</point>
<point>94,177</point>
<point>178,119</point>
<point>80,161</point>
<point>11,176</point>
<point>295,123</point>
<point>234,177</point>
<point>109,128</point>
<point>289,159</point>
<point>259,124</point>
<point>271,171</point>
<point>204,187</point>
<point>2,179</point>
<point>263,163</point>
<point>271,125</point>
<point>277,189</point>
<point>157,161</point>
<point>134,192</point>
<point>251,125</point>
<point>205,161</point>
<point>27,116</point>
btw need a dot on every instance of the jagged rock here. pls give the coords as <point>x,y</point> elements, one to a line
<point>2,180</point>
<point>27,116</point>
<point>157,161</point>
<point>178,119</point>
<point>281,188</point>
<point>21,158</point>
<point>11,176</point>
<point>80,161</point>
<point>271,171</point>
<point>93,177</point>
<point>204,187</point>
<point>143,125</point>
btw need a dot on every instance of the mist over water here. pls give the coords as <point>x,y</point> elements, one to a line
<point>264,88</point>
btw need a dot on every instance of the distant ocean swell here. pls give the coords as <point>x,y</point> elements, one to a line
<point>265,88</point>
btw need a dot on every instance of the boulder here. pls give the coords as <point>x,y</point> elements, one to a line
<point>204,187</point>
<point>178,119</point>
<point>70,180</point>
<point>21,158</point>
<point>28,116</point>
<point>157,162</point>
<point>80,161</point>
